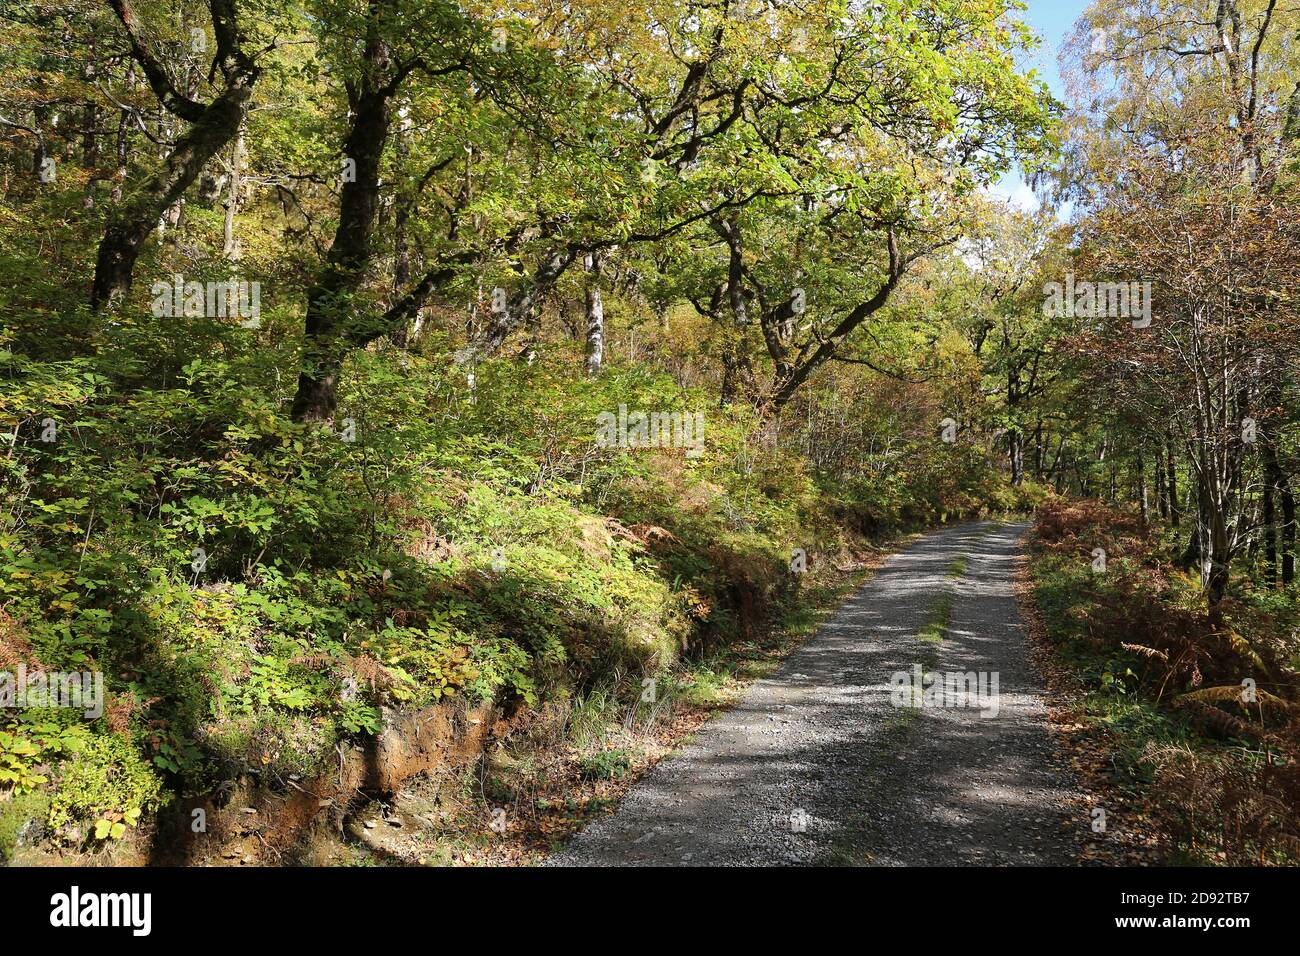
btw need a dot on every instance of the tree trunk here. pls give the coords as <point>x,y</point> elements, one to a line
<point>212,127</point>
<point>1172,479</point>
<point>1213,547</point>
<point>1270,533</point>
<point>522,305</point>
<point>89,134</point>
<point>1142,488</point>
<point>316,399</point>
<point>1288,533</point>
<point>1216,574</point>
<point>120,153</point>
<point>1162,498</point>
<point>1015,438</point>
<point>129,225</point>
<point>595,311</point>
<point>401,217</point>
<point>1017,454</point>
<point>1191,556</point>
<point>229,245</point>
<point>330,312</point>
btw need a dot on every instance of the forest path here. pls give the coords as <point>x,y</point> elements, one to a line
<point>816,765</point>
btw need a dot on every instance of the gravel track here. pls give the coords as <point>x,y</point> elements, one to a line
<point>820,741</point>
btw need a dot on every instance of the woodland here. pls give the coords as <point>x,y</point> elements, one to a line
<point>368,358</point>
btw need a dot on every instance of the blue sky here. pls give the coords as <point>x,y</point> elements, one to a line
<point>1052,19</point>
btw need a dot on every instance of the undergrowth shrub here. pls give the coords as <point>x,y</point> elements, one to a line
<point>256,591</point>
<point>1224,762</point>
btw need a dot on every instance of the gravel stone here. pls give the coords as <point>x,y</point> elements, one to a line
<point>816,765</point>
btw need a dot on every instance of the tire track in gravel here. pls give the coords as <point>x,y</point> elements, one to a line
<point>820,741</point>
